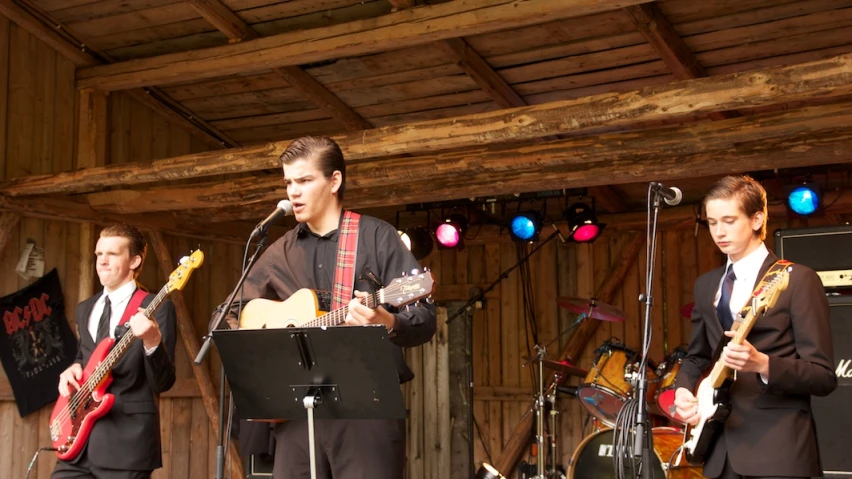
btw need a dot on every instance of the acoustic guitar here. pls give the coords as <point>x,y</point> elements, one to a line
<point>302,309</point>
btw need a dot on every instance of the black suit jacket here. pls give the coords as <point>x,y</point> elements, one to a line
<point>128,436</point>
<point>771,431</point>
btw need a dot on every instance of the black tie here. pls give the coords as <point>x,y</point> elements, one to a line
<point>103,324</point>
<point>723,309</point>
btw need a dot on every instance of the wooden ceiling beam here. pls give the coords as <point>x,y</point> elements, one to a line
<point>704,149</point>
<point>821,79</point>
<point>655,27</point>
<point>237,30</point>
<point>481,72</point>
<point>153,98</point>
<point>400,29</point>
<point>504,95</point>
<point>402,4</point>
<point>65,208</point>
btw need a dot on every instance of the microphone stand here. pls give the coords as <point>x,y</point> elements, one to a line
<point>643,439</point>
<point>208,341</point>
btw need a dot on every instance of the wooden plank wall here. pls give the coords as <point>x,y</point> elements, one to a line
<point>38,112</point>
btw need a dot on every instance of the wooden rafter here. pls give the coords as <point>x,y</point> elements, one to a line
<point>153,98</point>
<point>71,209</point>
<point>774,140</point>
<point>189,335</point>
<point>655,27</point>
<point>402,4</point>
<point>236,29</point>
<point>400,29</point>
<point>498,89</point>
<point>820,79</point>
<point>486,77</point>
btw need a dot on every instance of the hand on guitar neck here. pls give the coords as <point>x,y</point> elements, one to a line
<point>359,314</point>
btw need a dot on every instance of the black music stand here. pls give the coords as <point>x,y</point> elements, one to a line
<point>323,373</point>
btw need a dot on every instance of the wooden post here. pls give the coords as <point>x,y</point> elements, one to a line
<point>8,220</point>
<point>190,341</point>
<point>92,134</point>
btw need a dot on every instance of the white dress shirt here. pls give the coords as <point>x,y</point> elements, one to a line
<point>118,300</point>
<point>746,271</point>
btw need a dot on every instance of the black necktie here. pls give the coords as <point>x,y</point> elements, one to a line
<point>103,324</point>
<point>723,309</point>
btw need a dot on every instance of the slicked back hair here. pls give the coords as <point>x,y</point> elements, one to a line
<point>324,151</point>
<point>136,244</point>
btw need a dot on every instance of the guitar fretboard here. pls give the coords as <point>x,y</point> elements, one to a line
<point>338,316</point>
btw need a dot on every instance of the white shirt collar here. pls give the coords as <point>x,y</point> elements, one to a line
<point>749,267</point>
<point>121,294</point>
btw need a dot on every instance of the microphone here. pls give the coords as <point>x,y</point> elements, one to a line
<point>672,195</point>
<point>284,208</point>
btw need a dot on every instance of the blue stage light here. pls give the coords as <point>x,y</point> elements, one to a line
<point>804,200</point>
<point>526,226</point>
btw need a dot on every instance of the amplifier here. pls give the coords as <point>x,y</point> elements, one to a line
<point>824,249</point>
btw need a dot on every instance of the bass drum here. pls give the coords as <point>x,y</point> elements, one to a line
<point>593,458</point>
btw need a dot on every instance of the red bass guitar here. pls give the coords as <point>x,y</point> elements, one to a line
<point>73,416</point>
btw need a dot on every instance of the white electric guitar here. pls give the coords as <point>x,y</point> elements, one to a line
<point>714,391</point>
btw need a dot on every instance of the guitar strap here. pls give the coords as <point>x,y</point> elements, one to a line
<point>133,305</point>
<point>347,248</point>
<point>778,266</point>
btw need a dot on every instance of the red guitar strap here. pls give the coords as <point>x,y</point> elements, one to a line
<point>133,305</point>
<point>347,247</point>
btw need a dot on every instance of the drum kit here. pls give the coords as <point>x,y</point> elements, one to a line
<point>605,388</point>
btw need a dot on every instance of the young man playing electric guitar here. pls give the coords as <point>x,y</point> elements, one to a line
<point>307,257</point>
<point>786,358</point>
<point>125,442</point>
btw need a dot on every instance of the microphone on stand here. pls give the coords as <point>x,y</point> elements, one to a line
<point>284,208</point>
<point>671,194</point>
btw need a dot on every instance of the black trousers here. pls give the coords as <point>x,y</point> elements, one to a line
<point>83,469</point>
<point>728,473</point>
<point>345,449</point>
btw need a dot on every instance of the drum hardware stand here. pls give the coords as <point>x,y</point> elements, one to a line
<point>546,443</point>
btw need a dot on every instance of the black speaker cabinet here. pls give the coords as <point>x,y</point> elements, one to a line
<point>826,250</point>
<point>833,413</point>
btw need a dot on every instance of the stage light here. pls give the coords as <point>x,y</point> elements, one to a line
<point>583,223</point>
<point>487,471</point>
<point>406,240</point>
<point>450,233</point>
<point>419,241</point>
<point>526,226</point>
<point>804,199</point>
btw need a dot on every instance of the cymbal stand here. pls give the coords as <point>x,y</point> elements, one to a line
<point>554,413</point>
<point>541,352</point>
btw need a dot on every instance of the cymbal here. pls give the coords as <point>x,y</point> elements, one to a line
<point>563,368</point>
<point>592,308</point>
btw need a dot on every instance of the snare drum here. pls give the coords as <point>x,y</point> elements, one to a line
<point>593,458</point>
<point>667,370</point>
<point>607,387</point>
